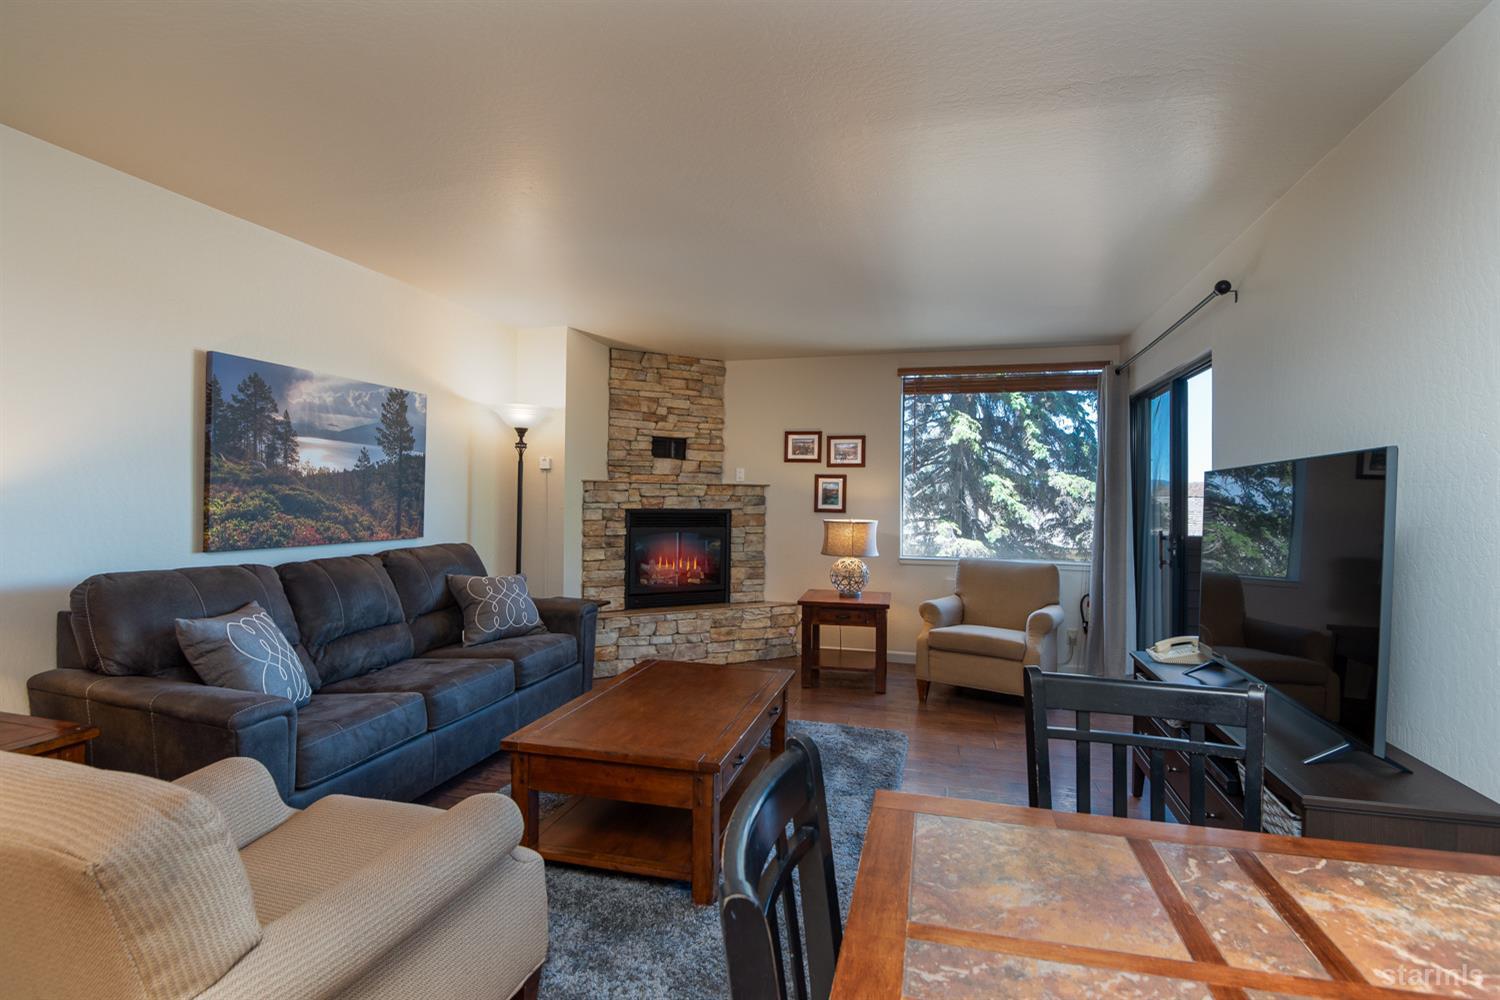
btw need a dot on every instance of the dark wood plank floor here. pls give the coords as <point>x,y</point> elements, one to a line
<point>968,744</point>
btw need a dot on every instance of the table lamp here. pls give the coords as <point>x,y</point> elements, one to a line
<point>849,538</point>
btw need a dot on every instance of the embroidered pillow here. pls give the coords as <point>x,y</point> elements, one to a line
<point>494,607</point>
<point>244,650</point>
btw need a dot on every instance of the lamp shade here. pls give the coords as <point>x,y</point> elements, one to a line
<point>527,415</point>
<point>848,536</point>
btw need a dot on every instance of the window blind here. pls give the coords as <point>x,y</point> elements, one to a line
<point>1054,377</point>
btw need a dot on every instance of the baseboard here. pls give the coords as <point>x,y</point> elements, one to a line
<point>891,655</point>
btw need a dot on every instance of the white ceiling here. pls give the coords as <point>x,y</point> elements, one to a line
<point>730,178</point>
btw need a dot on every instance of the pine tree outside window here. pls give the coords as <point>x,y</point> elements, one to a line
<point>999,462</point>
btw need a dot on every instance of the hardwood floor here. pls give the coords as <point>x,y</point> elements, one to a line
<point>967,744</point>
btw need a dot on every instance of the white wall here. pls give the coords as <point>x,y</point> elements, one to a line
<point>1369,317</point>
<point>587,445</point>
<point>110,291</point>
<point>850,394</point>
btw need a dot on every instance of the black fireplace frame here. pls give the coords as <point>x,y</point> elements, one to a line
<point>658,518</point>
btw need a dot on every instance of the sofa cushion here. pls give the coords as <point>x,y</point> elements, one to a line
<point>979,640</point>
<point>420,575</point>
<point>494,607</point>
<point>536,656</point>
<point>337,731</point>
<point>126,623</point>
<point>244,650</point>
<point>451,689</point>
<point>349,614</point>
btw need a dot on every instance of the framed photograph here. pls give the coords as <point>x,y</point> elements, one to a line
<point>828,493</point>
<point>294,458</point>
<point>1367,464</point>
<point>846,450</point>
<point>803,446</point>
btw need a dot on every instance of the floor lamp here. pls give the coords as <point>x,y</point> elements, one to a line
<point>522,417</point>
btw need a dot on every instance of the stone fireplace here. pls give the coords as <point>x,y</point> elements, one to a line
<point>680,554</point>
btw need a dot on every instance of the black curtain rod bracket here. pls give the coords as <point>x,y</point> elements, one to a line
<point>1221,287</point>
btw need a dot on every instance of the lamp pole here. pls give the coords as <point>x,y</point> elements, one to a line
<point>520,496</point>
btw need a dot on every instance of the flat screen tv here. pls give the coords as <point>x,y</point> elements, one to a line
<point>1296,585</point>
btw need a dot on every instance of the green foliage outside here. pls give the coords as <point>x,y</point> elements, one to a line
<point>259,495</point>
<point>1003,475</point>
<point>1254,518</point>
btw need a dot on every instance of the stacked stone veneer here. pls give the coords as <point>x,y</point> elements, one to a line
<point>670,395</point>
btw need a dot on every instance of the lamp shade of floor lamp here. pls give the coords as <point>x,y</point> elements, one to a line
<point>522,417</point>
<point>850,539</point>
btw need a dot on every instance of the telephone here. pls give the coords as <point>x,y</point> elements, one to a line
<point>1178,649</point>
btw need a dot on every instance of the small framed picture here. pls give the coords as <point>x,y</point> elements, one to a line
<point>828,493</point>
<point>803,446</point>
<point>1367,464</point>
<point>846,449</point>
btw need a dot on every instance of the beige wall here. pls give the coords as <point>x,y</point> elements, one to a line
<point>853,394</point>
<point>1368,317</point>
<point>587,444</point>
<point>110,291</point>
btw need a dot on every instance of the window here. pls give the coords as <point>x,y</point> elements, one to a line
<point>999,462</point>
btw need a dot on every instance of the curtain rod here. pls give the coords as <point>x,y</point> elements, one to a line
<point>1221,287</point>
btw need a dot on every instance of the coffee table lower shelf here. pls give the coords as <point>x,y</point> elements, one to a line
<point>632,837</point>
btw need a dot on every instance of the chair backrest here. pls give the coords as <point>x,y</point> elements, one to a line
<point>115,884</point>
<point>1189,706</point>
<point>1002,594</point>
<point>760,858</point>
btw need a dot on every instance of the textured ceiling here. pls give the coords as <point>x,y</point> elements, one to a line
<point>733,179</point>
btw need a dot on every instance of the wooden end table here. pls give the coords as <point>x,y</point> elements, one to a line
<point>39,737</point>
<point>654,762</point>
<point>826,607</point>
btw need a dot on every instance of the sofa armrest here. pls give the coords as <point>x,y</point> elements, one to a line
<point>943,611</point>
<point>323,946</point>
<point>244,791</point>
<point>1041,625</point>
<point>578,618</point>
<point>168,728</point>
<point>1289,640</point>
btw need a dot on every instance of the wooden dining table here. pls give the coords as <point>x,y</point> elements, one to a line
<point>963,899</point>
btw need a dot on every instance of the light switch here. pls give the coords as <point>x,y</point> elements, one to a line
<point>545,464</point>
<point>739,475</point>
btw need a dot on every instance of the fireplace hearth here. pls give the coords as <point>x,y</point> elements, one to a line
<point>675,557</point>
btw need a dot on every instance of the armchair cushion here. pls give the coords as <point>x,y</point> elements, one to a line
<point>1002,594</point>
<point>337,731</point>
<point>943,611</point>
<point>450,688</point>
<point>980,640</point>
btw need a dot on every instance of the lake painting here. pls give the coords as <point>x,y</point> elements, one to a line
<point>296,458</point>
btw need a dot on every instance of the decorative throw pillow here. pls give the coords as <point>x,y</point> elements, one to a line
<point>494,607</point>
<point>244,650</point>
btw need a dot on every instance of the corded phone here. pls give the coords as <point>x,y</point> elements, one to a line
<point>1178,649</point>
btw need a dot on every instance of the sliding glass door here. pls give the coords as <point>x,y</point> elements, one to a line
<point>1172,441</point>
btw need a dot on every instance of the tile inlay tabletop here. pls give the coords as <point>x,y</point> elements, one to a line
<point>961,899</point>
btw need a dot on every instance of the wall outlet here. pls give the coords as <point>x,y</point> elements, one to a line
<point>739,475</point>
<point>1072,635</point>
<point>545,464</point>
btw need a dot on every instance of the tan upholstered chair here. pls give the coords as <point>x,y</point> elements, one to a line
<point>118,885</point>
<point>1004,616</point>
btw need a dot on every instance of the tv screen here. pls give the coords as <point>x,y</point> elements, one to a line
<point>1297,577</point>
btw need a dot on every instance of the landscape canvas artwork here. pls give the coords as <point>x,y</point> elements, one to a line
<point>295,458</point>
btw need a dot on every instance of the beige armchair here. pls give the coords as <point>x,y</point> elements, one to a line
<point>119,885</point>
<point>1004,616</point>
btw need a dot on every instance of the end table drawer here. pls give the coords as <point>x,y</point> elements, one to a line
<point>845,616</point>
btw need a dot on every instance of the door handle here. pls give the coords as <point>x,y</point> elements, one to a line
<point>1163,558</point>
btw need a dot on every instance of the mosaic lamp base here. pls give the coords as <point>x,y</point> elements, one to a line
<point>850,576</point>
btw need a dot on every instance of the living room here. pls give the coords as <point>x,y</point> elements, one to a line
<point>805,395</point>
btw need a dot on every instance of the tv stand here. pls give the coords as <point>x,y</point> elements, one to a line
<point>1328,791</point>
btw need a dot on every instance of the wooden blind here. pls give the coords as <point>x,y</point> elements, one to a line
<point>1055,377</point>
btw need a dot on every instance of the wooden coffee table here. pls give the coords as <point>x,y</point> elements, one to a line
<point>654,761</point>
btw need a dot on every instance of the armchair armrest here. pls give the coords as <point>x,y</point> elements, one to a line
<point>943,611</point>
<point>320,948</point>
<point>244,791</point>
<point>167,728</point>
<point>578,618</point>
<point>1040,626</point>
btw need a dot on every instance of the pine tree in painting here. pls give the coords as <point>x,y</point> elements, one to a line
<point>364,471</point>
<point>252,413</point>
<point>397,439</point>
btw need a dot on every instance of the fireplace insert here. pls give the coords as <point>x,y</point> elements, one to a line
<point>676,557</point>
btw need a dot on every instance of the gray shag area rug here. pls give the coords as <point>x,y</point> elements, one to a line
<point>621,936</point>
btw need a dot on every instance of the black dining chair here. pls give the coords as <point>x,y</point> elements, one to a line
<point>761,855</point>
<point>1189,708</point>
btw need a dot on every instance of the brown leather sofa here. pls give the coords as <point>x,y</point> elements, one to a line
<point>398,706</point>
<point>1298,661</point>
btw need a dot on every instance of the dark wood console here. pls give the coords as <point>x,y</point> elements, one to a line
<point>1355,797</point>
